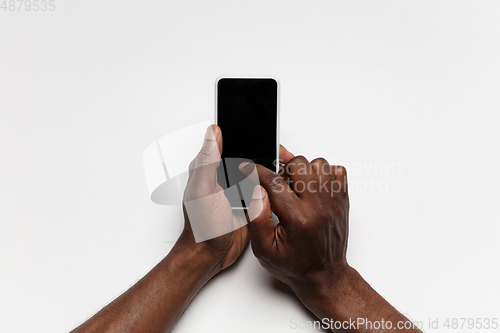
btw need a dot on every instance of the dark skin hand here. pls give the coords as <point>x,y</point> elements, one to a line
<point>155,303</point>
<point>307,249</point>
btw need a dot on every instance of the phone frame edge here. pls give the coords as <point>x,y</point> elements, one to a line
<point>278,93</point>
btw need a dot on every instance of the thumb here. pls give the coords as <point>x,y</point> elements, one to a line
<point>261,226</point>
<point>205,164</point>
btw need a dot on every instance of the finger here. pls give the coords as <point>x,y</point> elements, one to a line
<point>301,177</point>
<point>321,167</point>
<point>204,166</point>
<point>340,174</point>
<point>260,228</point>
<point>249,170</point>
<point>285,155</point>
<point>281,196</point>
<point>324,173</point>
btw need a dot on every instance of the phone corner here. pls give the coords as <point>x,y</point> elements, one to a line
<point>218,78</point>
<point>276,79</point>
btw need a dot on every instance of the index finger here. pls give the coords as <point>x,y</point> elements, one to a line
<point>285,155</point>
<point>281,195</point>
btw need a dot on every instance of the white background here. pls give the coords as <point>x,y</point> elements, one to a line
<point>86,88</point>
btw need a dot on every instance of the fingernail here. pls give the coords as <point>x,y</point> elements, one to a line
<point>243,165</point>
<point>258,192</point>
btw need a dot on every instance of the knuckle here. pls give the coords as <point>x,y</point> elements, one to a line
<point>298,159</point>
<point>209,149</point>
<point>303,223</point>
<point>319,160</point>
<point>298,165</point>
<point>192,165</point>
<point>206,156</point>
<point>321,166</point>
<point>273,180</point>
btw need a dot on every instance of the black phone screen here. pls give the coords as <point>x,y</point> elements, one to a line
<point>247,114</point>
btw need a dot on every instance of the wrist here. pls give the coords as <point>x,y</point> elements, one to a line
<point>199,256</point>
<point>323,289</point>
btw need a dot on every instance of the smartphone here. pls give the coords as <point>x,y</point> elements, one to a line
<point>246,110</point>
